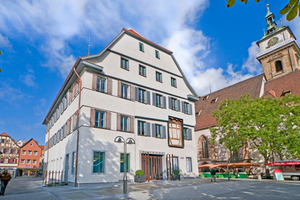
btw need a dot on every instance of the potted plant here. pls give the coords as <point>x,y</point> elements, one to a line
<point>139,176</point>
<point>176,174</point>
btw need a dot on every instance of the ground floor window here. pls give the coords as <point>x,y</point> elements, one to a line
<point>73,162</point>
<point>189,164</point>
<point>175,163</point>
<point>98,162</point>
<point>122,162</point>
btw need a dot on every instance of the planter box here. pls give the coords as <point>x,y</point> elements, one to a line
<point>139,179</point>
<point>176,177</point>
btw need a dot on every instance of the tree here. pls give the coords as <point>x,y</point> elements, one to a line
<point>291,8</point>
<point>271,126</point>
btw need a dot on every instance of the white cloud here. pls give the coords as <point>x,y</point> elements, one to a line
<point>11,94</point>
<point>39,109</point>
<point>29,78</point>
<point>251,64</point>
<point>4,42</point>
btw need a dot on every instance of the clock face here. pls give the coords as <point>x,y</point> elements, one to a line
<point>273,41</point>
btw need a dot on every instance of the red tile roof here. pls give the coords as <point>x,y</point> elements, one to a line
<point>250,86</point>
<point>278,86</point>
<point>42,147</point>
<point>4,134</point>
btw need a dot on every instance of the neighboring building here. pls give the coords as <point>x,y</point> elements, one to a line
<point>41,161</point>
<point>10,153</point>
<point>29,161</point>
<point>132,88</point>
<point>21,142</point>
<point>280,59</point>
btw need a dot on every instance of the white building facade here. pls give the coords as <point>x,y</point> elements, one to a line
<point>135,89</point>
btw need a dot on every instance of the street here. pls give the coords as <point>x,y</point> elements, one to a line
<point>30,188</point>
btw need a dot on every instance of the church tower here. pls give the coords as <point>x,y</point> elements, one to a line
<point>279,52</point>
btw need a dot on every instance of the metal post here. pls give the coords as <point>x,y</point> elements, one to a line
<point>228,170</point>
<point>125,174</point>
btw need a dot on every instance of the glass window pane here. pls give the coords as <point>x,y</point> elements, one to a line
<point>122,162</point>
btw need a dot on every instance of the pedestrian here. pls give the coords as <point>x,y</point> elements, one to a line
<point>213,174</point>
<point>5,178</point>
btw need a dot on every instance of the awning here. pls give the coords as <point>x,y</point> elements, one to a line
<point>205,166</point>
<point>283,163</point>
<point>238,165</point>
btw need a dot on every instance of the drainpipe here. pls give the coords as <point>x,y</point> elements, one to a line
<point>291,60</point>
<point>77,144</point>
<point>48,146</point>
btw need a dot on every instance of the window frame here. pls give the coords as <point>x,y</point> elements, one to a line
<point>141,128</point>
<point>126,62</point>
<point>159,100</point>
<point>28,160</point>
<point>34,161</point>
<point>186,107</point>
<point>141,47</point>
<point>158,76</point>
<point>185,133</point>
<point>157,54</point>
<point>190,163</point>
<point>30,152</point>
<point>102,154</point>
<point>142,71</point>
<point>126,91</point>
<point>73,164</point>
<point>125,121</point>
<point>142,95</point>
<point>101,122</point>
<point>158,130</point>
<point>101,84</point>
<point>174,104</point>
<point>22,161</point>
<point>23,152</point>
<point>173,80</point>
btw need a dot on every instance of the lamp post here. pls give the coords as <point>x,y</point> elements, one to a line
<point>120,139</point>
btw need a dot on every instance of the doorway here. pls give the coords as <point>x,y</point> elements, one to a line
<point>152,166</point>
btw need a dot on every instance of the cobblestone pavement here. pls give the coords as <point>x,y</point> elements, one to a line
<point>24,188</point>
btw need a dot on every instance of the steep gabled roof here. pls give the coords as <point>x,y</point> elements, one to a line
<point>31,140</point>
<point>286,83</point>
<point>207,104</point>
<point>4,134</point>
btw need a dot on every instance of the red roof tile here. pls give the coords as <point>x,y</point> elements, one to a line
<point>4,134</point>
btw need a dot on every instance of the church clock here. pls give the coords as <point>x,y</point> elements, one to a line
<point>272,41</point>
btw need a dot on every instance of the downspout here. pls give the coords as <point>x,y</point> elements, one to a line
<point>291,60</point>
<point>48,146</point>
<point>77,145</point>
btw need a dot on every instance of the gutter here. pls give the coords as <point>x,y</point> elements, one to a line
<point>77,127</point>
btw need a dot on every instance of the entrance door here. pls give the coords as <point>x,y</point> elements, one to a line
<point>66,168</point>
<point>152,166</point>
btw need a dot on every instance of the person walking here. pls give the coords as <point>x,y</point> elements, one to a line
<point>213,174</point>
<point>5,178</point>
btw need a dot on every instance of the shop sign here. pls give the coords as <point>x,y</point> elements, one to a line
<point>278,175</point>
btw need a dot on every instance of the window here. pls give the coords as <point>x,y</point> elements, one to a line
<point>188,164</point>
<point>174,104</point>
<point>22,161</point>
<point>214,100</point>
<point>157,54</point>
<point>186,107</point>
<point>141,128</point>
<point>122,162</point>
<point>98,162</point>
<point>29,152</point>
<point>2,140</point>
<point>158,77</point>
<point>203,147</point>
<point>124,123</point>
<point>159,102</point>
<point>7,151</point>
<point>101,84</point>
<point>73,162</point>
<point>175,162</point>
<point>35,153</point>
<point>100,119</point>
<point>142,70</point>
<point>173,82</point>
<point>15,151</point>
<point>125,91</point>
<point>34,162</point>
<point>142,95</point>
<point>278,66</point>
<point>124,63</point>
<point>23,152</point>
<point>185,133</point>
<point>28,161</point>
<point>141,47</point>
<point>285,93</point>
<point>158,130</point>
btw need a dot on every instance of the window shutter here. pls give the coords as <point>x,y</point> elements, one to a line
<point>170,102</point>
<point>136,93</point>
<point>189,134</point>
<point>182,106</point>
<point>69,125</point>
<point>178,105</point>
<point>153,130</point>
<point>131,124</point>
<point>153,99</point>
<point>147,129</point>
<point>164,102</point>
<point>119,88</point>
<point>92,117</point>
<point>163,132</point>
<point>109,86</point>
<point>190,109</point>
<point>70,96</point>
<point>148,97</point>
<point>132,92</point>
<point>108,120</point>
<point>3,150</point>
<point>94,83</point>
<point>11,151</point>
<point>118,122</point>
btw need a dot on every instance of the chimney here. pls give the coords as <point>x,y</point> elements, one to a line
<point>24,141</point>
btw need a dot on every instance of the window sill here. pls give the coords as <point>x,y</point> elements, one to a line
<point>125,68</point>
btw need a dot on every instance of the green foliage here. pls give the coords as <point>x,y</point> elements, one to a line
<point>221,176</point>
<point>139,172</point>
<point>201,175</point>
<point>176,171</point>
<point>292,8</point>
<point>232,176</point>
<point>271,126</point>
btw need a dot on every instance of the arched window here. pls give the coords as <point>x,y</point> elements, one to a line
<point>278,66</point>
<point>203,147</point>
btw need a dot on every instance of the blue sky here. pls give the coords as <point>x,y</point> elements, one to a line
<point>40,41</point>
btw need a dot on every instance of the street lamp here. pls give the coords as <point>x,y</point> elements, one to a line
<point>120,139</point>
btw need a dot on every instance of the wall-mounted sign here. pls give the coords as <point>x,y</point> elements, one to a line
<point>175,135</point>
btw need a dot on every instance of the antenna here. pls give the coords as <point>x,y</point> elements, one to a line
<point>209,88</point>
<point>89,46</point>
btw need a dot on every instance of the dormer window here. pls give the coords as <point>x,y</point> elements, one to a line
<point>284,93</point>
<point>205,97</point>
<point>278,65</point>
<point>214,100</point>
